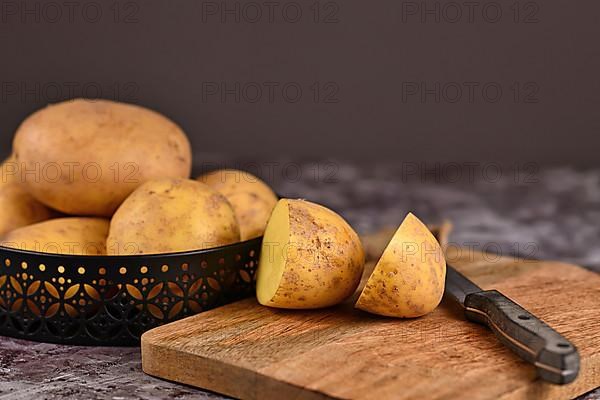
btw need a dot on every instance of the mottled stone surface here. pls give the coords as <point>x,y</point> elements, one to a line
<point>547,213</point>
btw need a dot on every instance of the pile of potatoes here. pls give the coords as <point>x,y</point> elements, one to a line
<point>107,178</point>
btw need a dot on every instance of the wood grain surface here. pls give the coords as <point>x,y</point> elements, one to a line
<point>253,352</point>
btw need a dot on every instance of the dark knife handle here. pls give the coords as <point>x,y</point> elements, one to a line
<point>555,358</point>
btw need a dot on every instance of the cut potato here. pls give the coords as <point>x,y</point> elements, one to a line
<point>251,199</point>
<point>376,243</point>
<point>172,215</point>
<point>71,236</point>
<point>18,208</point>
<point>408,280</point>
<point>310,257</point>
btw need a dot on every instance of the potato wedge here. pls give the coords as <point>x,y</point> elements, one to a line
<point>310,257</point>
<point>408,280</point>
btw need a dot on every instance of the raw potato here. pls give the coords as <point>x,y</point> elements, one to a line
<point>73,236</point>
<point>90,155</point>
<point>376,243</point>
<point>408,280</point>
<point>18,208</point>
<point>310,257</point>
<point>251,199</point>
<point>172,215</point>
<point>9,171</point>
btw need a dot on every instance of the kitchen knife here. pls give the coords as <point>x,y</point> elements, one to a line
<point>555,358</point>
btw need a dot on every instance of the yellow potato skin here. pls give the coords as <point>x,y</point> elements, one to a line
<point>9,172</point>
<point>172,215</point>
<point>408,280</point>
<point>90,155</point>
<point>251,198</point>
<point>18,208</point>
<point>324,259</point>
<point>72,236</point>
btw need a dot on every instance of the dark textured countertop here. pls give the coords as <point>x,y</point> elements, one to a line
<point>541,213</point>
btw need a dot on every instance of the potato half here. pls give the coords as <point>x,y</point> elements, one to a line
<point>18,208</point>
<point>251,198</point>
<point>85,157</point>
<point>408,280</point>
<point>73,236</point>
<point>310,257</point>
<point>171,215</point>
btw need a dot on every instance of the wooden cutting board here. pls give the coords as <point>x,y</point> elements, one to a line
<point>248,351</point>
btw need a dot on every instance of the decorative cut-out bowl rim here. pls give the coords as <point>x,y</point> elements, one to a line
<point>232,269</point>
<point>133,257</point>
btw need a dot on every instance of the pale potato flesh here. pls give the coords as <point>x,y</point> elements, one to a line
<point>86,156</point>
<point>251,198</point>
<point>272,261</point>
<point>310,258</point>
<point>408,280</point>
<point>18,208</point>
<point>69,236</point>
<point>172,215</point>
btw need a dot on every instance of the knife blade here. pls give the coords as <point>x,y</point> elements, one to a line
<point>555,358</point>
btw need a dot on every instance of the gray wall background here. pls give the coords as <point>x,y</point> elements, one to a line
<point>393,80</point>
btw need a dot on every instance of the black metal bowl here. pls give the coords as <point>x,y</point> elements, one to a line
<point>112,300</point>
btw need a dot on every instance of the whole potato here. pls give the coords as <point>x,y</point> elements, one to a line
<point>85,157</point>
<point>172,215</point>
<point>408,280</point>
<point>251,199</point>
<point>310,257</point>
<point>72,236</point>
<point>9,173</point>
<point>18,208</point>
